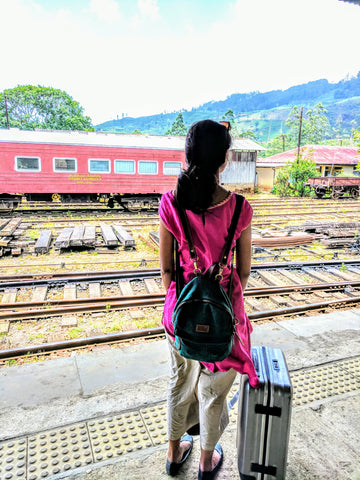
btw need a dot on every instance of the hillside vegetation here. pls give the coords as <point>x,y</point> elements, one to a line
<point>264,114</point>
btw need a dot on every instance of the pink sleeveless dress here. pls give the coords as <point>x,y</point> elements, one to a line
<point>209,231</point>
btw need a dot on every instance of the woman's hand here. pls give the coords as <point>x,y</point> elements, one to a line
<point>243,256</point>
<point>166,255</point>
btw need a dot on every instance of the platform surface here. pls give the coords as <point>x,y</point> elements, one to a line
<point>102,415</point>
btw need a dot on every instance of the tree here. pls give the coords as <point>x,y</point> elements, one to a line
<point>236,132</point>
<point>137,131</point>
<point>277,145</point>
<point>315,125</point>
<point>356,136</point>
<point>178,127</point>
<point>291,178</point>
<point>32,107</point>
<point>247,134</point>
<point>229,115</point>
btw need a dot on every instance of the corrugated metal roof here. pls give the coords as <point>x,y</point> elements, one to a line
<point>246,144</point>
<point>163,142</point>
<point>321,154</point>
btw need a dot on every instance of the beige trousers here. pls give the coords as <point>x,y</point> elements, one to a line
<point>197,395</point>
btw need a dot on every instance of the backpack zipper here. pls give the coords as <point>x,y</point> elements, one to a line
<point>227,310</point>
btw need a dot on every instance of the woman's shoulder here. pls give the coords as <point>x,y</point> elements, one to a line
<point>167,198</point>
<point>167,205</point>
<point>246,213</point>
<point>230,201</point>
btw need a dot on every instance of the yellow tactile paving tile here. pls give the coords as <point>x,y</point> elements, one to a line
<point>58,450</point>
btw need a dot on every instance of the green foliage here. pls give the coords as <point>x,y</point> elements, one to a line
<point>315,130</point>
<point>341,142</point>
<point>282,186</point>
<point>229,115</point>
<point>178,127</point>
<point>315,125</point>
<point>31,107</point>
<point>291,178</point>
<point>279,144</point>
<point>247,134</point>
<point>356,135</point>
<point>11,362</point>
<point>262,112</point>
<point>236,131</point>
<point>137,132</point>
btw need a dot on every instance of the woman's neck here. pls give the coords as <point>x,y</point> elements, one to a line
<point>219,195</point>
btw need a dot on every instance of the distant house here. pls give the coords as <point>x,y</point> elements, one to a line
<point>240,171</point>
<point>330,161</point>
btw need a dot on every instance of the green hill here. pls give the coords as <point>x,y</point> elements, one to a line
<point>263,113</point>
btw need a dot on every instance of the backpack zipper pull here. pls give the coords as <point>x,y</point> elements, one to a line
<point>236,333</point>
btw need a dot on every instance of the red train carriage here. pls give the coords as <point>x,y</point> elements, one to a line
<point>133,170</point>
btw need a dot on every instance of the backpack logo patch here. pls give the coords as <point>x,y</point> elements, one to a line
<point>202,328</point>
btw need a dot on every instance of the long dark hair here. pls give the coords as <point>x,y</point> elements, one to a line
<point>205,149</point>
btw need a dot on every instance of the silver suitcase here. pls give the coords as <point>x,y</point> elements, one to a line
<point>264,418</point>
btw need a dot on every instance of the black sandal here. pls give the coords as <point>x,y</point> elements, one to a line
<point>212,474</point>
<point>172,468</point>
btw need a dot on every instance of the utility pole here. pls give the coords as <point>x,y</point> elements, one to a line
<point>6,112</point>
<point>299,137</point>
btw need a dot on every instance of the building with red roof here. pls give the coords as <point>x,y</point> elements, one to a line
<point>330,161</point>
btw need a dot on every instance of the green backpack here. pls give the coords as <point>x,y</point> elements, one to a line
<point>203,317</point>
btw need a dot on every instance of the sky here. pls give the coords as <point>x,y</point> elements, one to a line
<point>141,57</point>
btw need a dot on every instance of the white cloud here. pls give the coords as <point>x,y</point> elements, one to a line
<point>149,9</point>
<point>257,45</point>
<point>107,10</point>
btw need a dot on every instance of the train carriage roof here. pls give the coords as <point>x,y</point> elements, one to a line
<point>101,139</point>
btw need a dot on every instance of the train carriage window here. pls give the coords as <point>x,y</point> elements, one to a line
<point>64,164</point>
<point>172,168</point>
<point>148,168</point>
<point>27,164</point>
<point>124,166</point>
<point>99,166</point>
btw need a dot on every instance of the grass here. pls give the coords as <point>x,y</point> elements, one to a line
<point>37,336</point>
<point>10,362</point>
<point>75,332</point>
<point>33,234</point>
<point>148,323</point>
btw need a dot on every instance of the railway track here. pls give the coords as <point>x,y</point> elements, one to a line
<point>53,223</point>
<point>268,211</point>
<point>61,311</point>
<point>271,207</point>
<point>123,302</point>
<point>33,279</point>
<point>264,300</point>
<point>290,236</point>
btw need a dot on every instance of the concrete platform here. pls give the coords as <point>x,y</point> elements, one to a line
<point>109,408</point>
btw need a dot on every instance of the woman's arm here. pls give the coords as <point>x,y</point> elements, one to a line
<point>166,255</point>
<point>243,256</point>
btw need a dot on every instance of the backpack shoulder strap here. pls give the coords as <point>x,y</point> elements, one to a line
<point>231,233</point>
<point>186,226</point>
